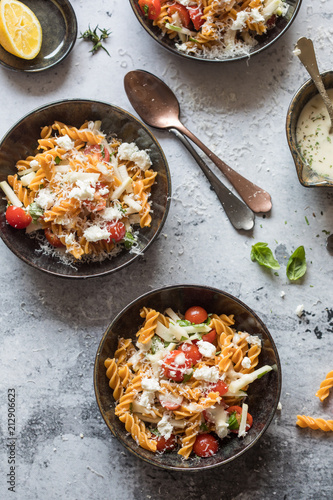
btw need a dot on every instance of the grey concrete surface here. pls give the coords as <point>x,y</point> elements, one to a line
<point>51,328</point>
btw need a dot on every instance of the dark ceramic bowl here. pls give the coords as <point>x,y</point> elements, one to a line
<point>263,41</point>
<point>21,140</point>
<point>263,396</point>
<point>306,176</point>
<point>59,26</point>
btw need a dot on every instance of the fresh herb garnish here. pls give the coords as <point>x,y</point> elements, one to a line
<point>35,211</point>
<point>128,240</point>
<point>296,267</point>
<point>57,160</point>
<point>203,427</point>
<point>184,322</point>
<point>146,9</point>
<point>155,431</point>
<point>307,221</point>
<point>187,377</point>
<point>261,253</point>
<point>102,150</point>
<point>156,344</point>
<point>233,422</point>
<point>92,36</point>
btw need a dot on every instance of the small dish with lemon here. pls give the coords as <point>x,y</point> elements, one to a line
<point>35,35</point>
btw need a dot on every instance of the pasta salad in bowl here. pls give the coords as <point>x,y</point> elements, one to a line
<point>187,377</point>
<point>215,30</point>
<point>86,188</point>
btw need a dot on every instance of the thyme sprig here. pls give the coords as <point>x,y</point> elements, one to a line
<point>96,39</point>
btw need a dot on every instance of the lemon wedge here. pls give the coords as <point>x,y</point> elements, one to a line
<point>20,30</point>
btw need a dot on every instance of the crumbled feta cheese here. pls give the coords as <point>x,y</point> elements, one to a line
<point>254,340</point>
<point>146,399</point>
<point>131,152</point>
<point>180,359</point>
<point>65,142</point>
<point>236,338</point>
<point>45,198</point>
<point>83,191</point>
<point>186,3</point>
<point>165,427</point>
<point>111,213</point>
<point>33,163</point>
<point>299,310</point>
<point>207,349</point>
<point>95,233</point>
<point>246,362</point>
<point>207,373</point>
<point>150,384</point>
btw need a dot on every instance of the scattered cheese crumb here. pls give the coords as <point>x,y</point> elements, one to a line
<point>299,310</point>
<point>246,362</point>
<point>65,142</point>
<point>279,406</point>
<point>207,349</point>
<point>282,294</point>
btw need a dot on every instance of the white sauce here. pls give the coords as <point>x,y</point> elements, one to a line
<point>313,138</point>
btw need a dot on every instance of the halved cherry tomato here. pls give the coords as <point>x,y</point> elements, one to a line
<point>182,12</point>
<point>52,238</point>
<point>173,368</point>
<point>17,217</point>
<point>210,336</point>
<point>196,17</point>
<point>100,150</point>
<point>205,445</point>
<point>163,444</point>
<point>191,352</point>
<point>196,314</point>
<point>238,414</point>
<point>150,8</point>
<point>219,387</point>
<point>99,201</point>
<point>271,21</point>
<point>117,231</point>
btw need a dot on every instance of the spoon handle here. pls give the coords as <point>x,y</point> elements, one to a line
<point>239,214</point>
<point>307,56</point>
<point>255,197</point>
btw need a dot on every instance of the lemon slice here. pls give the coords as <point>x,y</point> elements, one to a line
<point>20,30</point>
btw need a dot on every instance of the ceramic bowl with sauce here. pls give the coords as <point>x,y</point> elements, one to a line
<point>263,395</point>
<point>307,175</point>
<point>263,41</point>
<point>21,141</point>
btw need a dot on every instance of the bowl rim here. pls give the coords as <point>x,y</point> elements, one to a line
<point>205,60</point>
<point>199,287</point>
<point>289,133</point>
<point>71,22</point>
<point>168,194</point>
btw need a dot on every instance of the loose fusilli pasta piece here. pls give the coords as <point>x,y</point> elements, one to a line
<point>325,386</point>
<point>314,423</point>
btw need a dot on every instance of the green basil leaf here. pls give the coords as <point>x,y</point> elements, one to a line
<point>35,211</point>
<point>128,240</point>
<point>187,377</point>
<point>296,267</point>
<point>155,431</point>
<point>203,427</point>
<point>261,253</point>
<point>184,322</point>
<point>57,160</point>
<point>156,344</point>
<point>233,422</point>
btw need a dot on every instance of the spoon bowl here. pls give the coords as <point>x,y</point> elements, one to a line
<point>158,106</point>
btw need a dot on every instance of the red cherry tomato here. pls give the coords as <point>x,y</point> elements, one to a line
<point>117,231</point>
<point>182,12</point>
<point>238,411</point>
<point>219,387</point>
<point>191,352</point>
<point>99,201</point>
<point>98,149</point>
<point>196,17</point>
<point>18,217</point>
<point>210,336</point>
<point>52,238</point>
<point>150,8</point>
<point>196,314</point>
<point>205,445</point>
<point>172,368</point>
<point>163,444</point>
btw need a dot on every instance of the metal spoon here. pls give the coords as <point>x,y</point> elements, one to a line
<point>305,51</point>
<point>157,105</point>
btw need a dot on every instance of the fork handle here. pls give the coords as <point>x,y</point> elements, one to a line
<point>255,197</point>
